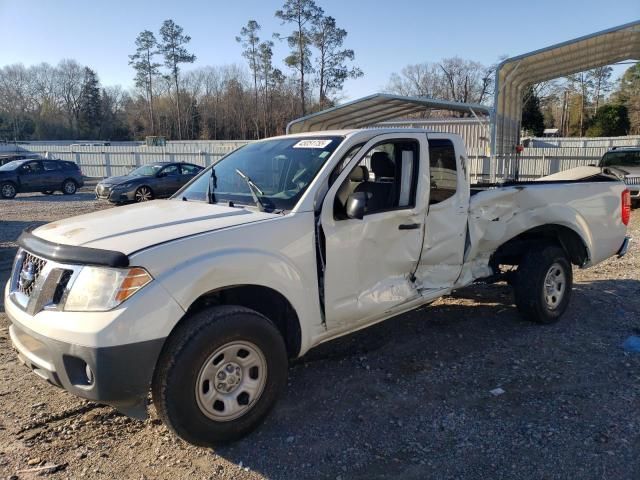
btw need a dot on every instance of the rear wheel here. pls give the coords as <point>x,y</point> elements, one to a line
<point>8,190</point>
<point>543,284</point>
<point>219,375</point>
<point>143,194</point>
<point>69,187</point>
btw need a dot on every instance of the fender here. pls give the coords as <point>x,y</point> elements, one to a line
<point>230,258</point>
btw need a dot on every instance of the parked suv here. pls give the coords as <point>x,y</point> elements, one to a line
<point>46,176</point>
<point>626,160</point>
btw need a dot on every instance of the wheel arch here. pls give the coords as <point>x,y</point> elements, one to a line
<point>265,300</point>
<point>565,237</point>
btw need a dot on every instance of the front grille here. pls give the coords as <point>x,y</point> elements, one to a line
<point>29,273</point>
<point>37,284</point>
<point>103,190</point>
<point>632,180</point>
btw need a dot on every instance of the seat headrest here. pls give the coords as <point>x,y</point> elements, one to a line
<point>359,174</point>
<point>382,165</point>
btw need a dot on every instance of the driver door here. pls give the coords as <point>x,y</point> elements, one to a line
<point>30,175</point>
<point>370,263</point>
<point>168,180</point>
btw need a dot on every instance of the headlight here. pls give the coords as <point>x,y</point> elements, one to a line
<point>124,185</point>
<point>98,289</point>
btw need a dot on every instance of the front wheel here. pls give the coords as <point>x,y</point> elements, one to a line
<point>143,194</point>
<point>543,284</point>
<point>8,190</point>
<point>219,375</point>
<point>69,187</point>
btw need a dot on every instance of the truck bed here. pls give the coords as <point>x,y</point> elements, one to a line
<point>589,205</point>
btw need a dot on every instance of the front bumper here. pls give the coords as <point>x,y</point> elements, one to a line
<point>624,247</point>
<point>119,376</point>
<point>114,195</point>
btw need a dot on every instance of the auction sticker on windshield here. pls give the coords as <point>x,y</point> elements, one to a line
<point>312,143</point>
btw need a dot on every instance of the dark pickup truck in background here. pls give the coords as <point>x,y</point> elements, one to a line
<point>626,162</point>
<point>39,175</point>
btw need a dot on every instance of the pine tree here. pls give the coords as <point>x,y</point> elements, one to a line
<point>250,41</point>
<point>331,64</point>
<point>172,47</point>
<point>90,105</point>
<point>146,68</point>
<point>302,14</point>
<point>532,117</point>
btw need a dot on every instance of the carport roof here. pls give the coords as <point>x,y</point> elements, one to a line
<point>376,108</point>
<point>584,53</point>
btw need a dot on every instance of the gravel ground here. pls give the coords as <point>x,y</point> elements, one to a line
<point>409,398</point>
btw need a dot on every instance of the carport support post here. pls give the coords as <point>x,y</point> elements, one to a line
<point>77,156</point>
<point>136,159</point>
<point>107,163</point>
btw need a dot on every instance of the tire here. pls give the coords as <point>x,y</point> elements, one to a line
<point>189,404</point>
<point>47,192</point>
<point>143,194</point>
<point>69,187</point>
<point>543,284</point>
<point>8,190</point>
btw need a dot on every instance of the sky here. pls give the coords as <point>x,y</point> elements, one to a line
<point>386,36</point>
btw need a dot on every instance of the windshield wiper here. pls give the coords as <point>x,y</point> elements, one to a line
<point>256,193</point>
<point>213,184</point>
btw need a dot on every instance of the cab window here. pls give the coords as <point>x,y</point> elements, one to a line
<point>443,170</point>
<point>387,174</point>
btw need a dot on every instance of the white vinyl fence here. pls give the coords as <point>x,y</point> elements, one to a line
<point>105,161</point>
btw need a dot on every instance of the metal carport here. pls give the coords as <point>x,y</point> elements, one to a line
<point>376,108</point>
<point>514,74</point>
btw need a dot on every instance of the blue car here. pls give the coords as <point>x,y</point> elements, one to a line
<point>46,176</point>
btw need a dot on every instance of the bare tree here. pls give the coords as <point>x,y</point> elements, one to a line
<point>467,81</point>
<point>419,80</point>
<point>70,80</point>
<point>14,96</point>
<point>581,83</point>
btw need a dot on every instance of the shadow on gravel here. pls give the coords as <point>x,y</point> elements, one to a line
<point>380,401</point>
<point>56,197</point>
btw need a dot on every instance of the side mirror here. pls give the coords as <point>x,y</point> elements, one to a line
<point>356,205</point>
<point>161,174</point>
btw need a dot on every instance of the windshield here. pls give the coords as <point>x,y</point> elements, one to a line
<point>621,159</point>
<point>146,171</point>
<point>10,166</point>
<point>282,169</point>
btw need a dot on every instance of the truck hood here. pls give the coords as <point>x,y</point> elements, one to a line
<point>134,227</point>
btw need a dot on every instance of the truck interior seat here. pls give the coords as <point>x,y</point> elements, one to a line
<point>381,192</point>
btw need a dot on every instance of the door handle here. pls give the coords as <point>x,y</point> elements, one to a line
<point>409,226</point>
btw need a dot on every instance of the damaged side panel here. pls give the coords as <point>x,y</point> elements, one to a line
<point>496,216</point>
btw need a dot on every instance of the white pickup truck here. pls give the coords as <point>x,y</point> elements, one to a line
<point>286,243</point>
